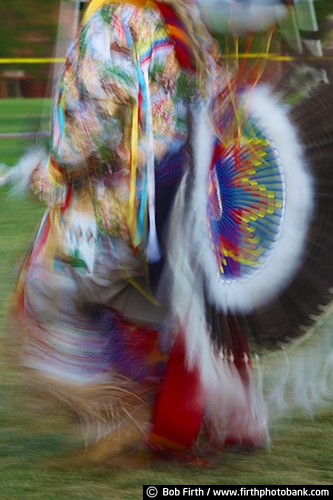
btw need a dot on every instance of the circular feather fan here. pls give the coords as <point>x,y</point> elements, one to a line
<point>246,203</point>
<point>259,205</point>
<point>294,309</point>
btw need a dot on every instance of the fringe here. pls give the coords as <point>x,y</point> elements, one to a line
<point>19,176</point>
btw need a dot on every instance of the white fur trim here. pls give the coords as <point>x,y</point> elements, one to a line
<point>185,276</point>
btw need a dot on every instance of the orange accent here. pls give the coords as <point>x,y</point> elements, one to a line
<point>177,32</point>
<point>159,441</point>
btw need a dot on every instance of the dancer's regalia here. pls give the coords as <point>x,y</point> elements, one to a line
<point>179,207</point>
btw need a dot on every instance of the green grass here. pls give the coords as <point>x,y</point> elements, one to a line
<point>21,115</point>
<point>32,440</point>
<point>18,216</point>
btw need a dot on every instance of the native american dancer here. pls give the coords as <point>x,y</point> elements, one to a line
<point>178,209</point>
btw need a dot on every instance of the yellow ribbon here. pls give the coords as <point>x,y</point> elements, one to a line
<point>134,159</point>
<point>254,55</point>
<point>132,219</point>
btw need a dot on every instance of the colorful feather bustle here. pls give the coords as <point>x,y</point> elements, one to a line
<point>293,311</point>
<point>283,214</point>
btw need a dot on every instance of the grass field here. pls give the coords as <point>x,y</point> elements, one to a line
<point>32,441</point>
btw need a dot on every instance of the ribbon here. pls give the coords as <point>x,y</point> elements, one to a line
<point>177,34</point>
<point>153,248</point>
<point>134,155</point>
<point>136,223</point>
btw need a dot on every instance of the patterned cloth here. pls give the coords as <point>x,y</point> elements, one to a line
<point>95,98</point>
<point>122,62</point>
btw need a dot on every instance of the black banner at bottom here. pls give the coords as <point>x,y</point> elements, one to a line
<point>215,491</point>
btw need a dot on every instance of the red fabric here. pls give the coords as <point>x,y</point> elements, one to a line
<point>66,203</point>
<point>182,49</point>
<point>179,405</point>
